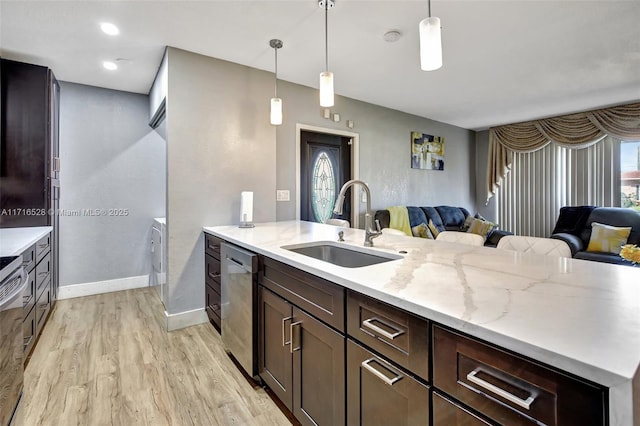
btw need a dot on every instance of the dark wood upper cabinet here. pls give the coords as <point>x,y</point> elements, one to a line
<point>28,143</point>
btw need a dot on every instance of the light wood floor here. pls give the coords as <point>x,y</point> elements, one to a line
<point>106,360</point>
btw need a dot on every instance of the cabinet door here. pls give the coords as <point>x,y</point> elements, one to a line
<point>318,372</point>
<point>274,357</point>
<point>379,394</point>
<point>446,413</point>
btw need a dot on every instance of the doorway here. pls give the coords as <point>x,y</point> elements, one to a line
<point>326,159</point>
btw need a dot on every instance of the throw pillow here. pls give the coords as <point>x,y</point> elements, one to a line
<point>479,216</point>
<point>467,223</point>
<point>422,231</point>
<point>433,229</point>
<point>607,238</point>
<point>481,227</point>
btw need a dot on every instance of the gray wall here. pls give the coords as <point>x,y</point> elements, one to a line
<point>385,152</point>
<point>490,210</point>
<point>110,159</point>
<point>219,143</point>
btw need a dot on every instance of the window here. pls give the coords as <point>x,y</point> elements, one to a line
<point>324,191</point>
<point>630,175</point>
<point>543,181</point>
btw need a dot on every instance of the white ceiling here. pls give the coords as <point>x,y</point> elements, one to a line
<point>504,61</point>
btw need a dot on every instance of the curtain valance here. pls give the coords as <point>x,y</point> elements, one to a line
<point>574,131</point>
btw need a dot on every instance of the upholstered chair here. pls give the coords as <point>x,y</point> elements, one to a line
<point>546,246</point>
<point>461,238</point>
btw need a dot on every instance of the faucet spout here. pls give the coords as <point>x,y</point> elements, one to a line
<point>370,232</point>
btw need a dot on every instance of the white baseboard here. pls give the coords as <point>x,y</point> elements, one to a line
<point>185,319</point>
<point>99,287</point>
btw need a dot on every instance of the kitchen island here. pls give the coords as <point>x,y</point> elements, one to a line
<point>576,316</point>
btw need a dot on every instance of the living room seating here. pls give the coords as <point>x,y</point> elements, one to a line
<point>461,238</point>
<point>575,226</point>
<point>427,222</point>
<point>339,222</point>
<point>545,246</point>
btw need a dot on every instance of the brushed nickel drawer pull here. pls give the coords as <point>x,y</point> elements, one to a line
<point>293,348</point>
<point>367,364</point>
<point>368,323</point>
<point>285,342</point>
<point>524,403</point>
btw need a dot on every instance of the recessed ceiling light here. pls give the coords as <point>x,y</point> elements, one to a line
<point>111,66</point>
<point>109,28</point>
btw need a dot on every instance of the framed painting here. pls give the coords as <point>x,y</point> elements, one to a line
<point>427,151</point>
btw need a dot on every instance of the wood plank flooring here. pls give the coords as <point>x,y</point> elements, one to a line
<point>107,360</point>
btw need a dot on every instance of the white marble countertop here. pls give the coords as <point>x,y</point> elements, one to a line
<point>579,316</point>
<point>14,241</point>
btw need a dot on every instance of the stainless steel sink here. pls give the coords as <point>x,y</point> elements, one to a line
<point>337,254</point>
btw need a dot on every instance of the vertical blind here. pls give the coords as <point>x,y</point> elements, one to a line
<point>540,182</point>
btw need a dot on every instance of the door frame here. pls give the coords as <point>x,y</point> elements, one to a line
<point>355,166</point>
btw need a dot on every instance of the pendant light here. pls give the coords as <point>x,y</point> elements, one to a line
<point>276,102</point>
<point>430,43</point>
<point>326,77</point>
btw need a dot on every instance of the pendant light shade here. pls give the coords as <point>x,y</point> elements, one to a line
<point>326,77</point>
<point>430,43</point>
<point>276,102</point>
<point>276,111</point>
<point>326,89</point>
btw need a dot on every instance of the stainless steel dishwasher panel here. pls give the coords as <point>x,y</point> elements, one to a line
<point>239,302</point>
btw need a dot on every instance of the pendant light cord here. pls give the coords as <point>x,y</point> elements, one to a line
<point>276,49</point>
<point>429,3</point>
<point>326,35</point>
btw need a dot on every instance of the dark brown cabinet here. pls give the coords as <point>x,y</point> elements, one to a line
<point>380,394</point>
<point>38,297</point>
<point>212,279</point>
<point>509,389</point>
<point>274,354</point>
<point>301,358</point>
<point>398,335</point>
<point>29,146</point>
<point>448,413</point>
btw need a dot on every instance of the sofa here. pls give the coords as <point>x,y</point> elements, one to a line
<point>444,218</point>
<point>574,226</point>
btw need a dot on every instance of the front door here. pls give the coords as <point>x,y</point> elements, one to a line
<point>325,165</point>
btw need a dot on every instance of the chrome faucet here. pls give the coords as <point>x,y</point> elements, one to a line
<point>370,233</point>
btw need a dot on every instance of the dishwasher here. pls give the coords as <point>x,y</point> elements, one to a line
<point>239,301</point>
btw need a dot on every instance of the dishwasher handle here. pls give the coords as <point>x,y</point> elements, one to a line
<point>241,258</point>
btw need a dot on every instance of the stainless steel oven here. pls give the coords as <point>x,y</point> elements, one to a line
<point>13,281</point>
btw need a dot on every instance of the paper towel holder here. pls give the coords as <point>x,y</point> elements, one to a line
<point>246,209</point>
<point>245,224</point>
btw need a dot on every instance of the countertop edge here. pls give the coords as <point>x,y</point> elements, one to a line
<point>22,238</point>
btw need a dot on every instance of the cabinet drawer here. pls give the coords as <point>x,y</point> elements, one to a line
<point>510,389</point>
<point>29,332</point>
<point>212,245</point>
<point>43,247</point>
<point>378,393</point>
<point>29,296</point>
<point>213,270</point>
<point>396,334</point>
<point>319,297</point>
<point>29,258</point>
<point>42,308</point>
<point>43,274</point>
<point>212,305</point>
<point>446,413</point>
